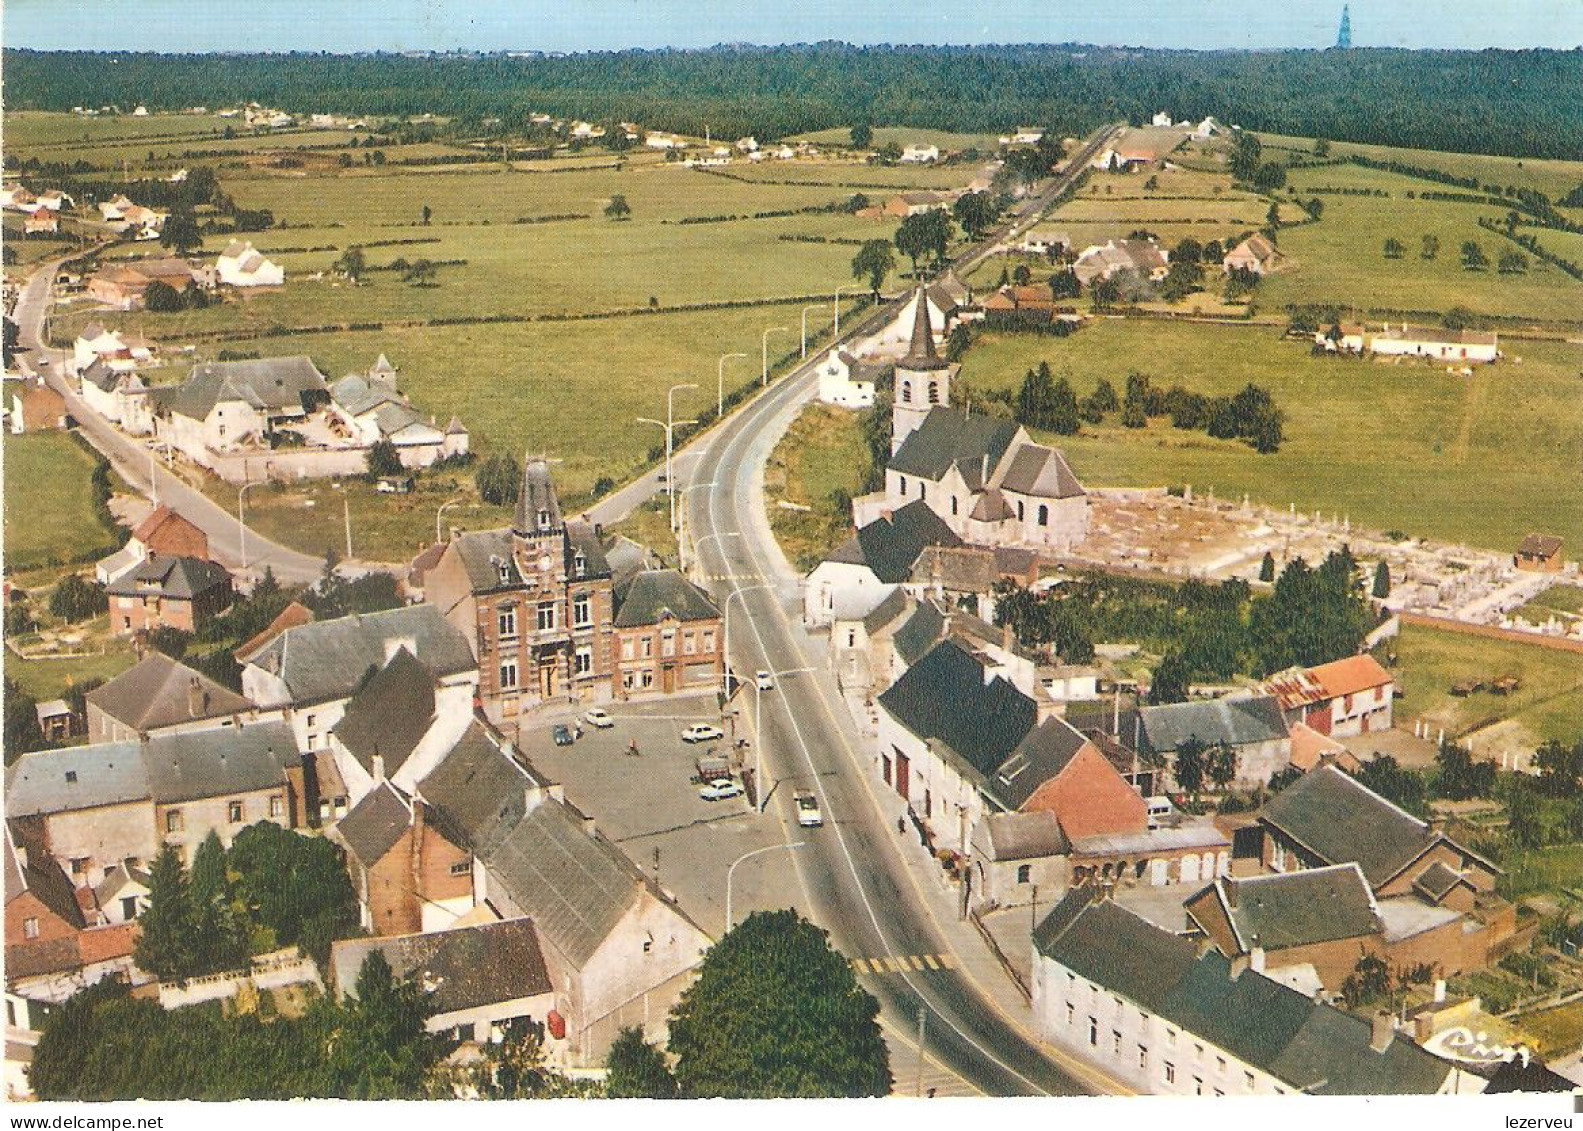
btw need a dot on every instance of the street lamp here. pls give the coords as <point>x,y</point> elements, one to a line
<point>720,382</point>
<point>838,291</point>
<point>805,311</point>
<point>731,871</point>
<point>726,616</point>
<point>241,529</point>
<point>764,350</point>
<point>681,541</point>
<point>669,424</point>
<point>438,513</point>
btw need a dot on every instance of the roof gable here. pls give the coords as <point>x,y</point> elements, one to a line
<point>945,698</point>
<point>950,436</point>
<point>388,717</point>
<point>375,824</point>
<point>158,692</point>
<point>1233,721</point>
<point>1340,820</point>
<point>891,544</point>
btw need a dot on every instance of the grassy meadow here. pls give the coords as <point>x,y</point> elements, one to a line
<point>1405,447</point>
<point>49,514</point>
<point>822,453</point>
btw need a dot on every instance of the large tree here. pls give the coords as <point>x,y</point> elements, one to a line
<point>294,886</point>
<point>165,943</point>
<point>924,236</point>
<point>637,1070</point>
<point>220,928</point>
<point>874,261</point>
<point>976,212</point>
<point>776,1012</point>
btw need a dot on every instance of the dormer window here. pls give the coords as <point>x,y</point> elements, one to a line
<point>579,564</point>
<point>544,519</point>
<point>504,569</point>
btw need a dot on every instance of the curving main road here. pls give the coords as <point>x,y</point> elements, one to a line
<point>852,870</point>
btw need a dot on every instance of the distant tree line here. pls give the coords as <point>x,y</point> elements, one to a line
<point>1487,101</point>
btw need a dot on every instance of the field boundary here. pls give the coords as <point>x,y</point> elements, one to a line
<point>1491,632</point>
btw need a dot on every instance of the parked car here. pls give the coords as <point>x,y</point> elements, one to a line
<point>1160,811</point>
<point>599,717</point>
<point>720,790</point>
<point>766,681</point>
<point>808,814</point>
<point>702,732</point>
<point>562,735</point>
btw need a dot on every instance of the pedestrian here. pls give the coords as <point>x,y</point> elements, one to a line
<point>632,748</point>
<point>901,825</point>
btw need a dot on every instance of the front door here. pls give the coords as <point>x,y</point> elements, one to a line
<point>548,679</point>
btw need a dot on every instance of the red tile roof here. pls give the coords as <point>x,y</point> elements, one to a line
<point>1350,676</point>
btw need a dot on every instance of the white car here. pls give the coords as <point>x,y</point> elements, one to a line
<point>766,681</point>
<point>720,790</point>
<point>600,718</point>
<point>702,732</point>
<point>808,814</point>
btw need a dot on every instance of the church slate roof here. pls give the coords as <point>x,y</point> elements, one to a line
<point>921,356</point>
<point>1042,473</point>
<point>951,437</point>
<point>536,494</point>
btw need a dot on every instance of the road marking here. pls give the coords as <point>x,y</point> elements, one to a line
<point>860,966</point>
<point>948,961</point>
<point>917,963</point>
<point>933,965</point>
<point>890,965</point>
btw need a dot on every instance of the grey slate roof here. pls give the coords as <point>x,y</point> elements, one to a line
<point>1339,820</point>
<point>890,545</point>
<point>483,553</point>
<point>1020,836</point>
<point>327,659</point>
<point>658,593</point>
<point>1436,881</point>
<point>943,698</point>
<point>460,969</point>
<point>271,383</point>
<point>537,493</point>
<point>573,885</point>
<point>949,436</point>
<point>582,538</point>
<point>375,824</point>
<point>46,879</point>
<point>478,791</point>
<point>1306,1044</point>
<point>357,394</point>
<point>1290,909</point>
<point>389,715</point>
<point>77,777</point>
<point>887,612</point>
<point>211,763</point>
<point>181,579</point>
<point>921,356</point>
<point>101,376</point>
<point>159,692</point>
<point>625,558</point>
<point>1042,473</point>
<point>1236,722</point>
<point>1043,753</point>
<point>930,623</point>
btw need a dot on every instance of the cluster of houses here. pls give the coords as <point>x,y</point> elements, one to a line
<point>379,731</point>
<point>1434,343</point>
<point>123,284</point>
<point>41,212</point>
<point>121,214</point>
<point>270,418</point>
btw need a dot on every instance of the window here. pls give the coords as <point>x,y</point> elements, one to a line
<point>1115,1041</point>
<point>851,639</point>
<point>1044,515</point>
<point>310,721</point>
<point>582,610</point>
<point>1093,1031</point>
<point>1346,704</point>
<point>1143,1056</point>
<point>689,643</point>
<point>277,805</point>
<point>1170,1037</point>
<point>906,392</point>
<point>646,679</point>
<point>465,868</point>
<point>79,865</point>
<point>579,564</point>
<point>128,907</point>
<point>1220,1064</point>
<point>1071,1014</point>
<point>503,569</point>
<point>1170,1073</point>
<point>668,642</point>
<point>174,822</point>
<point>506,622</point>
<point>934,392</point>
<point>1024,873</point>
<point>903,480</point>
<point>71,777</point>
<point>508,676</point>
<point>1198,1086</point>
<point>646,647</point>
<point>546,616</point>
<point>313,742</point>
<point>583,662</point>
<point>1019,510</point>
<point>708,641</point>
<point>30,928</point>
<point>1247,1080</point>
<point>233,812</point>
<point>627,680</point>
<point>544,519</point>
<point>953,504</point>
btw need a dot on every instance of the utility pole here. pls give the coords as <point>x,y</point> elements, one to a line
<point>918,1083</point>
<point>346,509</point>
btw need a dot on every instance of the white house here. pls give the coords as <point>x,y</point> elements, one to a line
<point>1162,118</point>
<point>863,571</point>
<point>119,395</point>
<point>366,408</point>
<point>1144,1007</point>
<point>231,406</point>
<point>240,265</point>
<point>847,381</point>
<point>747,145</point>
<point>1403,340</point>
<point>664,141</point>
<point>1207,129</point>
<point>118,351</point>
<point>920,154</point>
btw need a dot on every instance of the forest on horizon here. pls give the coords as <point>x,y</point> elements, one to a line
<point>1512,103</point>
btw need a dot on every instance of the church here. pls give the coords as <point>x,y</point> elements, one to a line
<point>983,475</point>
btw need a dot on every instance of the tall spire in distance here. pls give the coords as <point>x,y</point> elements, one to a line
<point>921,356</point>
<point>1344,36</point>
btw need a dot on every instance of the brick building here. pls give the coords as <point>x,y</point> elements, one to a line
<point>178,592</point>
<point>667,636</point>
<point>534,602</point>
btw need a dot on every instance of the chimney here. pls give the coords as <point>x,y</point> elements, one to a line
<point>1440,991</point>
<point>1239,966</point>
<point>194,698</point>
<point>379,768</point>
<point>588,827</point>
<point>1382,1031</point>
<point>1228,888</point>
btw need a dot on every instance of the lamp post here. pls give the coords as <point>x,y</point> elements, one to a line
<point>438,513</point>
<point>764,350</point>
<point>726,616</point>
<point>805,311</point>
<point>731,871</point>
<point>669,424</point>
<point>681,541</point>
<point>838,291</point>
<point>241,528</point>
<point>720,382</point>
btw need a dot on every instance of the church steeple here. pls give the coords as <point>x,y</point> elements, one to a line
<point>921,356</point>
<point>923,378</point>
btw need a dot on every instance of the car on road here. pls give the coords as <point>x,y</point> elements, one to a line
<point>766,681</point>
<point>720,790</point>
<point>562,735</point>
<point>808,814</point>
<point>600,718</point>
<point>702,732</point>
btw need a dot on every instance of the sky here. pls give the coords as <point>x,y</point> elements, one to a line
<point>589,25</point>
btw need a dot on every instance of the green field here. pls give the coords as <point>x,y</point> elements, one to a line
<point>28,130</point>
<point>1340,261</point>
<point>1395,447</point>
<point>1429,661</point>
<point>50,679</point>
<point>49,514</point>
<point>821,454</point>
<point>904,136</point>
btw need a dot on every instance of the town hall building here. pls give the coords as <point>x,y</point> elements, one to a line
<point>983,475</point>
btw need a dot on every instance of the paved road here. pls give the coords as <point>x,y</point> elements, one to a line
<point>852,870</point>
<point>134,463</point>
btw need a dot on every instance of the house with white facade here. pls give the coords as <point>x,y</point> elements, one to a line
<point>366,408</point>
<point>241,265</point>
<point>119,395</point>
<point>918,154</point>
<point>232,406</point>
<point>1342,698</point>
<point>862,571</point>
<point>1147,1009</point>
<point>1463,347</point>
<point>117,349</point>
<point>847,381</point>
